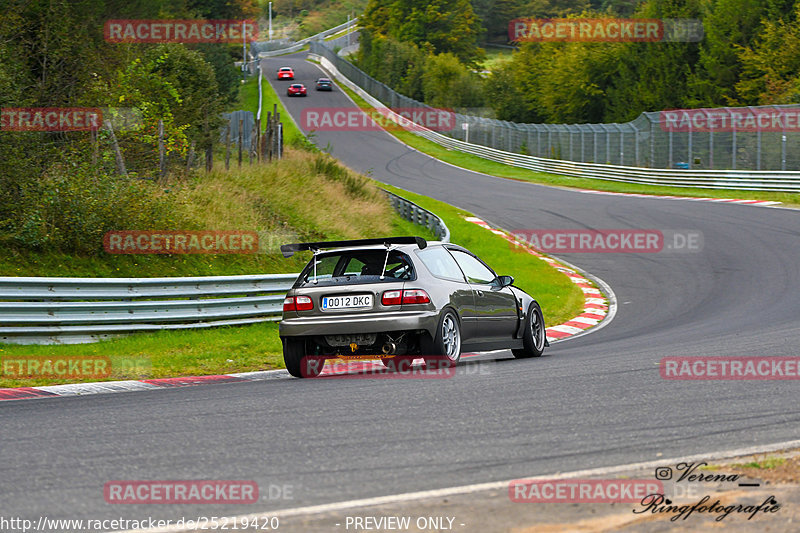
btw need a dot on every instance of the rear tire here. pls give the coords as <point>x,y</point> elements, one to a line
<point>535,336</point>
<point>298,363</point>
<point>446,347</point>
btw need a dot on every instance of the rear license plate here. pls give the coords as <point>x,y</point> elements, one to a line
<point>364,339</point>
<point>360,301</point>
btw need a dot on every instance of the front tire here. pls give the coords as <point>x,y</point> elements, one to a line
<point>535,337</point>
<point>298,363</point>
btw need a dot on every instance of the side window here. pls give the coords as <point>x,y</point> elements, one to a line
<point>440,263</point>
<point>475,271</point>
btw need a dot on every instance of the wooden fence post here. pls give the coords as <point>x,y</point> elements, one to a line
<point>228,146</point>
<point>190,157</point>
<point>117,153</point>
<point>162,155</point>
<point>241,139</point>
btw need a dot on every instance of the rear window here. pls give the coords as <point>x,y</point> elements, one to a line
<point>358,266</point>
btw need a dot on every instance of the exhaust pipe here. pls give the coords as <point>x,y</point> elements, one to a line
<point>388,348</point>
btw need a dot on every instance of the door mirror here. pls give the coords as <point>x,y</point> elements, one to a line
<point>505,281</point>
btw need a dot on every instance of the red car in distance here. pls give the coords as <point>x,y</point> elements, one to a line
<point>296,89</point>
<point>285,73</point>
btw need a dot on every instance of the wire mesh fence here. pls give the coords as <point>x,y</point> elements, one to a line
<point>735,138</point>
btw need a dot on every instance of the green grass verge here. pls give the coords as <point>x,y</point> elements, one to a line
<point>765,464</point>
<point>165,354</point>
<point>492,168</point>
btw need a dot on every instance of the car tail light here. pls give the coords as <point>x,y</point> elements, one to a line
<point>392,298</point>
<point>297,303</point>
<point>303,303</point>
<point>416,296</point>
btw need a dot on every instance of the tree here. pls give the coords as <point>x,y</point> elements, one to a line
<point>771,66</point>
<point>448,83</point>
<point>729,25</point>
<point>443,25</point>
<point>654,76</point>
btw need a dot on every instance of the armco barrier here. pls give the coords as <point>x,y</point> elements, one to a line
<point>73,310</point>
<point>76,310</point>
<point>753,180</point>
<point>419,215</point>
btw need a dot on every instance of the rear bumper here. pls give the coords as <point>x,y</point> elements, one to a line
<point>362,323</point>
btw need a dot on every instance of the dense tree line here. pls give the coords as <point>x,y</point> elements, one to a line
<point>425,49</point>
<point>750,55</point>
<point>53,53</point>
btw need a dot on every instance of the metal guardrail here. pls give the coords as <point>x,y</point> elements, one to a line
<point>419,215</point>
<point>73,310</point>
<point>76,310</point>
<point>303,42</point>
<point>753,180</point>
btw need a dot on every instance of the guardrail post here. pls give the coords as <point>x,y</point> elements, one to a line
<point>670,148</point>
<point>652,145</point>
<point>783,151</point>
<point>711,149</point>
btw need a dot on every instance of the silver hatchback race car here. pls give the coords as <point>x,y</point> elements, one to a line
<point>402,298</point>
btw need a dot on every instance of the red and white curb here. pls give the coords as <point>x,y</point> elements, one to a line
<point>596,305</point>
<point>344,367</point>
<point>759,203</point>
<point>102,387</point>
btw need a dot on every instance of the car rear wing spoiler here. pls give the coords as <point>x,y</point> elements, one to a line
<point>289,249</point>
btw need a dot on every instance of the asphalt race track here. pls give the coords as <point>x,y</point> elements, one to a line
<point>594,401</point>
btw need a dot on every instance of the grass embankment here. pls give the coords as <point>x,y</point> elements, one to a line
<point>284,198</point>
<point>492,168</point>
<point>257,347</point>
<point>305,196</point>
